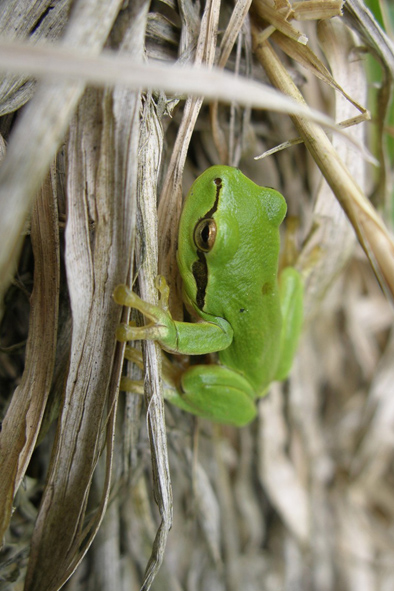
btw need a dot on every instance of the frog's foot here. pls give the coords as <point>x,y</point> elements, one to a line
<point>135,356</point>
<point>172,370</point>
<point>128,384</point>
<point>161,327</point>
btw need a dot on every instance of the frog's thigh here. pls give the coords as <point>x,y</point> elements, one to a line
<point>217,393</point>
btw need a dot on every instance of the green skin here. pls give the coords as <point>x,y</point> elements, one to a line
<point>228,250</point>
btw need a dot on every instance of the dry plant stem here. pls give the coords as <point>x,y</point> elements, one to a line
<point>62,536</point>
<point>371,232</point>
<point>241,10</point>
<point>362,19</point>
<point>236,139</point>
<point>110,68</point>
<point>382,47</point>
<point>207,506</point>
<point>151,145</point>
<point>283,484</point>
<point>40,130</point>
<point>170,205</point>
<point>171,196</point>
<point>316,9</point>
<point>22,422</point>
<point>331,239</point>
<point>278,20</point>
<point>39,20</point>
<point>101,187</point>
<point>303,55</point>
<point>230,533</point>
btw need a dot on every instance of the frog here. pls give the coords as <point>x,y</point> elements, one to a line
<point>247,312</point>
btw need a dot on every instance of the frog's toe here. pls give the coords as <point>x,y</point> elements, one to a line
<point>129,385</point>
<point>125,333</point>
<point>123,296</point>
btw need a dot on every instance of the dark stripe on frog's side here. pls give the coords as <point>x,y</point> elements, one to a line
<point>219,186</point>
<point>200,267</point>
<point>200,274</point>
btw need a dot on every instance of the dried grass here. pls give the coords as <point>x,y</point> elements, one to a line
<point>300,499</point>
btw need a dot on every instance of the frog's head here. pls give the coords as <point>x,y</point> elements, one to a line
<point>224,216</point>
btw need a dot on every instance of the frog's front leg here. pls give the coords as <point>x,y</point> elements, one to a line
<point>216,393</point>
<point>173,336</point>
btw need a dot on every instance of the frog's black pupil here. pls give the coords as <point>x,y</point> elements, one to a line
<point>205,234</point>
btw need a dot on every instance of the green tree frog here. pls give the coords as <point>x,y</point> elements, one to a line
<point>228,251</point>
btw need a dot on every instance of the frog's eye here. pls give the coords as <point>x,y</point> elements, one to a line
<point>205,234</point>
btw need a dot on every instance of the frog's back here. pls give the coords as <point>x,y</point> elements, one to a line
<point>241,269</point>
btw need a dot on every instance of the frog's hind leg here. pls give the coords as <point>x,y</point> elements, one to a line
<point>291,288</point>
<point>128,384</point>
<point>171,371</point>
<point>215,393</point>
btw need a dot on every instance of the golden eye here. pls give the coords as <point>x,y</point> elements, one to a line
<point>205,234</point>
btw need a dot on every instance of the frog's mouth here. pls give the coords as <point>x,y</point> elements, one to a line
<point>200,267</point>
